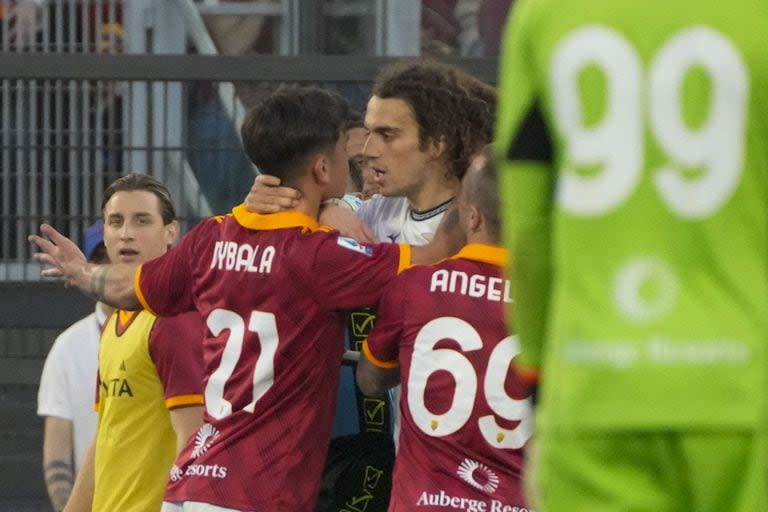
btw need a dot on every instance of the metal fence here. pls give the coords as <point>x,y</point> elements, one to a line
<point>73,123</point>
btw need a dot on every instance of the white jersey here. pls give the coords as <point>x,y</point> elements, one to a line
<point>393,220</point>
<point>68,382</point>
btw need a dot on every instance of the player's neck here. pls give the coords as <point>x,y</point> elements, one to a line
<point>481,237</point>
<point>432,194</point>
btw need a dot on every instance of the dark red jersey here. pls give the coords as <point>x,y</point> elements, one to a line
<point>465,415</point>
<point>272,290</point>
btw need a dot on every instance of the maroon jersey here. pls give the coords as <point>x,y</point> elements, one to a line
<point>465,415</point>
<point>272,290</point>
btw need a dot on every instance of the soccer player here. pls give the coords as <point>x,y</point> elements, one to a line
<point>634,184</point>
<point>149,393</point>
<point>271,289</point>
<point>441,331</point>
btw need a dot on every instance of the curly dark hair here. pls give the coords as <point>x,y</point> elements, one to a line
<point>448,103</point>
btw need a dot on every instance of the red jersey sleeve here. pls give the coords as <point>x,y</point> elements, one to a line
<point>382,347</point>
<point>352,275</point>
<point>164,285</point>
<point>176,347</point>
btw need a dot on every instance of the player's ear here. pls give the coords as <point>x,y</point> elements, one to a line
<point>171,232</point>
<point>474,218</point>
<point>321,168</point>
<point>437,147</point>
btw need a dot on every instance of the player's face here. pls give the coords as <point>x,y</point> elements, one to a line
<point>133,227</point>
<point>393,150</point>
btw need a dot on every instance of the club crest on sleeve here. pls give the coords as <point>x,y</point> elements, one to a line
<point>352,245</point>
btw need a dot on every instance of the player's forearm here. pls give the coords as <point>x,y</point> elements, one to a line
<point>185,422</point>
<point>57,461</point>
<point>81,499</point>
<point>111,284</point>
<point>375,381</point>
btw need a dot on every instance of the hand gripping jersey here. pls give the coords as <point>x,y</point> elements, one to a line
<point>271,289</point>
<point>465,415</point>
<point>635,184</point>
<point>142,374</point>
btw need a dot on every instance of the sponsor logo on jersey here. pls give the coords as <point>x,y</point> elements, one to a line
<point>478,475</point>
<point>176,473</point>
<point>393,237</point>
<point>116,388</point>
<point>352,245</point>
<point>447,502</point>
<point>206,470</point>
<point>204,438</point>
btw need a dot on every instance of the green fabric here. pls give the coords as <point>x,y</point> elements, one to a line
<point>647,472</point>
<point>639,245</point>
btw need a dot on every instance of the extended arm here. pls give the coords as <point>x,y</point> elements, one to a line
<point>57,460</point>
<point>111,284</point>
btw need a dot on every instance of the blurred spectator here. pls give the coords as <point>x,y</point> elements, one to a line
<point>491,18</point>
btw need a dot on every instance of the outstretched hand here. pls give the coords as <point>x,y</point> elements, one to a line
<point>267,196</point>
<point>62,255</point>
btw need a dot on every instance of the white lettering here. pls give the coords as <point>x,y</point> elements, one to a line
<point>206,470</point>
<point>242,257</point>
<point>443,499</point>
<point>455,275</point>
<point>476,285</point>
<point>439,281</point>
<point>266,260</point>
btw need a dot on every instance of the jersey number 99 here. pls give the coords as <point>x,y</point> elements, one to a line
<point>617,143</point>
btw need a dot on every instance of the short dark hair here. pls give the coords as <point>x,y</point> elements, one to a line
<point>483,192</point>
<point>291,124</point>
<point>131,182</point>
<point>448,104</point>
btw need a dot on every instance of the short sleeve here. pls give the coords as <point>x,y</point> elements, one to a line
<point>348,274</point>
<point>382,348</point>
<point>52,396</point>
<point>176,347</point>
<point>164,285</point>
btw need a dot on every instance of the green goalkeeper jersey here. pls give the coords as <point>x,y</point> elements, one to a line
<point>633,138</point>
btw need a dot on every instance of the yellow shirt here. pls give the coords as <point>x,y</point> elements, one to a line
<point>135,442</point>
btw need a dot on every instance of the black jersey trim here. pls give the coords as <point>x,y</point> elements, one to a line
<point>533,141</point>
<point>428,214</point>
